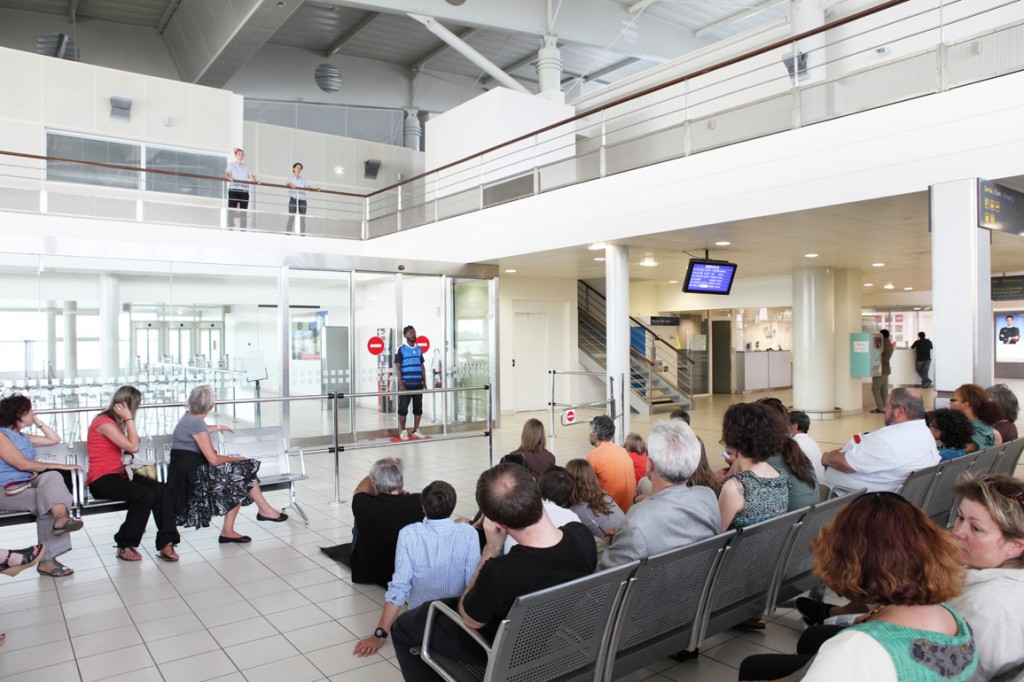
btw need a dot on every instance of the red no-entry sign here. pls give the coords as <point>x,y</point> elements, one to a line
<point>568,417</point>
<point>423,342</point>
<point>375,345</point>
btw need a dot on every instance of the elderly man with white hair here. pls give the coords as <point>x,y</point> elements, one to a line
<point>674,515</point>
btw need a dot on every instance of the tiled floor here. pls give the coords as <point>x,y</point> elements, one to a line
<point>278,609</point>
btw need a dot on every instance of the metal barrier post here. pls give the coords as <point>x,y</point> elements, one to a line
<point>551,429</point>
<point>490,435</point>
<point>337,451</point>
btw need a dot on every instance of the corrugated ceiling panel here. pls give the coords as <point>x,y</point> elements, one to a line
<point>316,27</point>
<point>393,38</point>
<point>137,13</point>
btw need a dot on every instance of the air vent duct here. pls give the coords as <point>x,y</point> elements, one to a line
<point>59,45</point>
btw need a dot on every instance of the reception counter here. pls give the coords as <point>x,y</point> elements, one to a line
<point>763,370</point>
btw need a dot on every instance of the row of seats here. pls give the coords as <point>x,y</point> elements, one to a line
<point>614,622</point>
<point>931,489</point>
<point>268,444</point>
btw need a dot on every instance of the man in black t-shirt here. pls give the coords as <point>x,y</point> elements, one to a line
<point>922,358</point>
<point>545,556</point>
<point>1009,334</point>
<point>380,510</point>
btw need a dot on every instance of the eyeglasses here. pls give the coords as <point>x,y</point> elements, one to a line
<point>1005,488</point>
<point>954,400</point>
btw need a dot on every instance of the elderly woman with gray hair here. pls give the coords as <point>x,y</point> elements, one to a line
<point>205,484</point>
<point>1002,394</point>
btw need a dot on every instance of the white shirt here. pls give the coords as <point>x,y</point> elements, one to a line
<point>993,603</point>
<point>810,448</point>
<point>882,460</point>
<point>559,517</point>
<point>851,656</point>
<point>239,172</point>
<point>298,185</point>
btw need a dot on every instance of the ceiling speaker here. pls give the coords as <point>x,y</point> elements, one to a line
<point>370,169</point>
<point>120,108</point>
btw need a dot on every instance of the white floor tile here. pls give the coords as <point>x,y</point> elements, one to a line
<point>381,671</point>
<point>105,640</point>
<point>339,659</point>
<point>61,672</point>
<point>171,626</point>
<point>294,669</point>
<point>182,646</point>
<point>108,665</point>
<point>206,666</point>
<point>261,651</point>
<point>295,619</point>
<point>96,622</point>
<point>244,631</point>
<point>318,636</point>
<point>227,613</point>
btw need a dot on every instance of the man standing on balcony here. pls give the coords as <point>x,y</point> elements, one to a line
<point>239,179</point>
<point>412,376</point>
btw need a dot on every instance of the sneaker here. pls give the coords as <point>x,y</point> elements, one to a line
<point>404,435</point>
<point>814,612</point>
<point>415,434</point>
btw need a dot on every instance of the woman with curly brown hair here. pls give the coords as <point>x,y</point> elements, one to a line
<point>596,508</point>
<point>983,412</point>
<point>883,550</point>
<point>755,491</point>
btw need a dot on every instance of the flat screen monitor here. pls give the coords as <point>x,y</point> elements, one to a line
<point>709,277</point>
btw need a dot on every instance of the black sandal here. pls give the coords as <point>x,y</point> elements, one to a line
<point>30,556</point>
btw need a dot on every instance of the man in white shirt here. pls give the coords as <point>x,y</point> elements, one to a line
<point>799,425</point>
<point>881,460</point>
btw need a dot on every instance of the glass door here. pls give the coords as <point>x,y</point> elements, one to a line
<point>375,339</point>
<point>472,359</point>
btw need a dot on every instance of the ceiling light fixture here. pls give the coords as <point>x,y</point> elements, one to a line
<point>649,262</point>
<point>723,243</point>
<point>597,246</point>
<point>889,286</point>
<point>868,284</point>
<point>510,271</point>
<point>908,288</point>
<point>810,255</point>
<point>878,265</point>
<point>599,260</point>
<point>673,281</point>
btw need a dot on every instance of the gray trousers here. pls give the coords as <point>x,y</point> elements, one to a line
<point>880,390</point>
<point>47,490</point>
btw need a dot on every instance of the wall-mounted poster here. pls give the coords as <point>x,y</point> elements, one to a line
<point>306,335</point>
<point>1009,347</point>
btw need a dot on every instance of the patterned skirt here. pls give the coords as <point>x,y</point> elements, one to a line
<point>217,490</point>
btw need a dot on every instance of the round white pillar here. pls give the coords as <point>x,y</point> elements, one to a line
<point>110,342</point>
<point>413,130</point>
<point>549,70</point>
<point>813,339</point>
<point>616,272</point>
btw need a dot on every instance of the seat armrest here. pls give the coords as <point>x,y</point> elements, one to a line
<point>438,607</point>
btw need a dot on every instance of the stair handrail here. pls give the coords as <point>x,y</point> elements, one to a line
<point>601,326</point>
<point>650,331</point>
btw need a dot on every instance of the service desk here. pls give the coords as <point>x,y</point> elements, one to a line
<point>763,370</point>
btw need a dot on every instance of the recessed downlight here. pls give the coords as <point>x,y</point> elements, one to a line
<point>878,265</point>
<point>600,259</point>
<point>511,271</point>
<point>889,286</point>
<point>723,243</point>
<point>810,255</point>
<point>908,288</point>
<point>649,262</point>
<point>673,281</point>
<point>597,246</point>
<point>868,284</point>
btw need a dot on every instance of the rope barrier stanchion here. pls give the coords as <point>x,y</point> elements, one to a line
<point>490,425</point>
<point>335,397</point>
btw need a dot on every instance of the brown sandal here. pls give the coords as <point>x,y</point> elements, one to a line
<point>122,554</point>
<point>162,553</point>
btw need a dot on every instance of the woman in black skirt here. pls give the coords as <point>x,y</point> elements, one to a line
<point>203,483</point>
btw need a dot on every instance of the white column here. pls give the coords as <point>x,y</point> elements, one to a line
<point>616,273</point>
<point>961,287</point>
<point>806,15</point>
<point>847,287</point>
<point>110,344</point>
<point>413,130</point>
<point>70,339</point>
<point>51,338</point>
<point>549,70</point>
<point>813,339</point>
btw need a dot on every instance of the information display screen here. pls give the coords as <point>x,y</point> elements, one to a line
<point>709,277</point>
<point>1000,208</point>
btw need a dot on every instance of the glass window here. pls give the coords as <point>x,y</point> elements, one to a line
<point>97,151</point>
<point>178,161</point>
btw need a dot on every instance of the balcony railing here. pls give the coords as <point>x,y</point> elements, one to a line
<point>895,51</point>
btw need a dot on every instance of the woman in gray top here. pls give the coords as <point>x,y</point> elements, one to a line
<point>596,508</point>
<point>205,484</point>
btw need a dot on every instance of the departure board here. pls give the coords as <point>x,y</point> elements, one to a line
<point>1000,208</point>
<point>709,277</point>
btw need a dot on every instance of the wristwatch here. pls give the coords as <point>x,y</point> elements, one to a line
<point>380,633</point>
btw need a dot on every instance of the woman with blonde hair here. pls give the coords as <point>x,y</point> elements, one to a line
<point>531,447</point>
<point>205,484</point>
<point>112,433</point>
<point>596,508</point>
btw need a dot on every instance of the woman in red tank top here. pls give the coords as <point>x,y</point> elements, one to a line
<point>111,433</point>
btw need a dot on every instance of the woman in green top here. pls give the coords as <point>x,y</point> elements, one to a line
<point>983,412</point>
<point>803,486</point>
<point>883,550</point>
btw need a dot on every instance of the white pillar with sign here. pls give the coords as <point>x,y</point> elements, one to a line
<point>616,272</point>
<point>961,287</point>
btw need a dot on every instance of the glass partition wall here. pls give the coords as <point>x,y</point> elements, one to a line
<point>73,329</point>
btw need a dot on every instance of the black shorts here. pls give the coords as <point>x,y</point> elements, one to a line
<point>417,402</point>
<point>238,198</point>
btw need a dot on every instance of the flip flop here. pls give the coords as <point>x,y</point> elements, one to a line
<point>164,556</point>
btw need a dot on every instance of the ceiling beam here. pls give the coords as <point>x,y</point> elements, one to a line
<point>640,6</point>
<point>72,10</point>
<point>351,33</point>
<point>610,68</point>
<point>464,34</point>
<point>165,18</point>
<point>514,66</point>
<point>732,18</point>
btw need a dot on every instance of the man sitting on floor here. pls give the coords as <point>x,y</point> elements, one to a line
<point>544,556</point>
<point>675,515</point>
<point>380,510</point>
<point>435,559</point>
<point>881,460</point>
<point>611,462</point>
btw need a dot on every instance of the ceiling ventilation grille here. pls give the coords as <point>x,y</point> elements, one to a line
<point>328,78</point>
<point>59,45</point>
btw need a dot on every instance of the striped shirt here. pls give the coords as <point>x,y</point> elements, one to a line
<point>434,559</point>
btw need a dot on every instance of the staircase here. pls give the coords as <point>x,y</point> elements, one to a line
<point>659,378</point>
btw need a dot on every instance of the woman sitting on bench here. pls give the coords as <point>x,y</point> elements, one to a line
<point>111,433</point>
<point>205,484</point>
<point>35,487</point>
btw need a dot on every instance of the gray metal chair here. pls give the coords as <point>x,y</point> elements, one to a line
<point>918,485</point>
<point>661,612</point>
<point>744,579</point>
<point>268,445</point>
<point>560,633</point>
<point>797,576</point>
<point>941,499</point>
<point>986,460</point>
<point>1007,463</point>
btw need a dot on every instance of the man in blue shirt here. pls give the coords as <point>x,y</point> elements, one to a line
<point>434,559</point>
<point>412,376</point>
